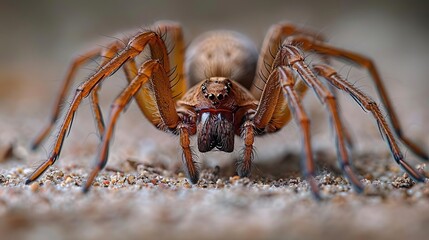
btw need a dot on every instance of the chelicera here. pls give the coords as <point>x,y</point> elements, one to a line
<point>236,91</point>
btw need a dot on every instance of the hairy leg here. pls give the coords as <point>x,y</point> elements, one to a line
<point>281,80</point>
<point>308,44</point>
<point>244,165</point>
<point>135,47</point>
<point>178,81</point>
<point>76,64</point>
<point>301,119</point>
<point>107,54</point>
<point>272,42</point>
<point>145,99</point>
<point>190,165</point>
<point>151,69</point>
<point>367,103</point>
<point>296,61</point>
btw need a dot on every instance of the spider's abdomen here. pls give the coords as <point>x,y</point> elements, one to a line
<point>222,54</point>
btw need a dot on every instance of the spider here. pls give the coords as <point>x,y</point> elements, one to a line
<point>236,91</point>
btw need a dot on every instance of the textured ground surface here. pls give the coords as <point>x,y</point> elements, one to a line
<point>143,194</point>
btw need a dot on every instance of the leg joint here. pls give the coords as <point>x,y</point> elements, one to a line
<point>139,42</point>
<point>115,107</point>
<point>293,55</point>
<point>304,121</point>
<point>371,105</point>
<point>330,97</point>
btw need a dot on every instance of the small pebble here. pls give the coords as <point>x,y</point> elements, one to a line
<point>34,187</point>
<point>219,183</point>
<point>131,179</point>
<point>68,180</point>
<point>187,185</point>
<point>2,178</point>
<point>234,179</point>
<point>403,182</point>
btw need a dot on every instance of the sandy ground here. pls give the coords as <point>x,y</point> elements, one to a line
<point>142,193</point>
<point>140,196</point>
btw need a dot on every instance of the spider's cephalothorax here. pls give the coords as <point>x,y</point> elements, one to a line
<point>215,116</point>
<point>234,92</point>
<point>226,59</point>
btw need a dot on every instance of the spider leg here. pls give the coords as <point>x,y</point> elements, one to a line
<point>179,84</point>
<point>281,79</point>
<point>152,70</point>
<point>145,99</point>
<point>270,47</point>
<point>107,54</point>
<point>76,64</point>
<point>347,136</point>
<point>244,165</point>
<point>272,43</point>
<point>296,61</point>
<point>287,82</point>
<point>98,115</point>
<point>135,47</point>
<point>274,110</point>
<point>191,168</point>
<point>366,102</point>
<point>323,48</point>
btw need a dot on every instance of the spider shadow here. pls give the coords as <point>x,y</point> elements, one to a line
<point>289,166</point>
<point>283,167</point>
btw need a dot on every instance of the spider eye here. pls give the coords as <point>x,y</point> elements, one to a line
<point>211,96</point>
<point>228,86</point>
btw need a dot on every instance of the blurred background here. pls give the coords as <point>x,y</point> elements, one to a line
<point>39,39</point>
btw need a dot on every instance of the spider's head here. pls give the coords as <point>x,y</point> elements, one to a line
<point>216,90</point>
<point>215,124</point>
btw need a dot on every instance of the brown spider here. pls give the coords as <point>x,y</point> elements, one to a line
<point>223,101</point>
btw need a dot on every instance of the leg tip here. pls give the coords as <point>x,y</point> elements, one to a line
<point>85,190</point>
<point>193,174</point>
<point>412,173</point>
<point>243,170</point>
<point>314,186</point>
<point>420,178</point>
<point>34,146</point>
<point>28,181</point>
<point>358,188</point>
<point>243,173</point>
<point>194,179</point>
<point>353,178</point>
<point>316,195</point>
<point>85,187</point>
